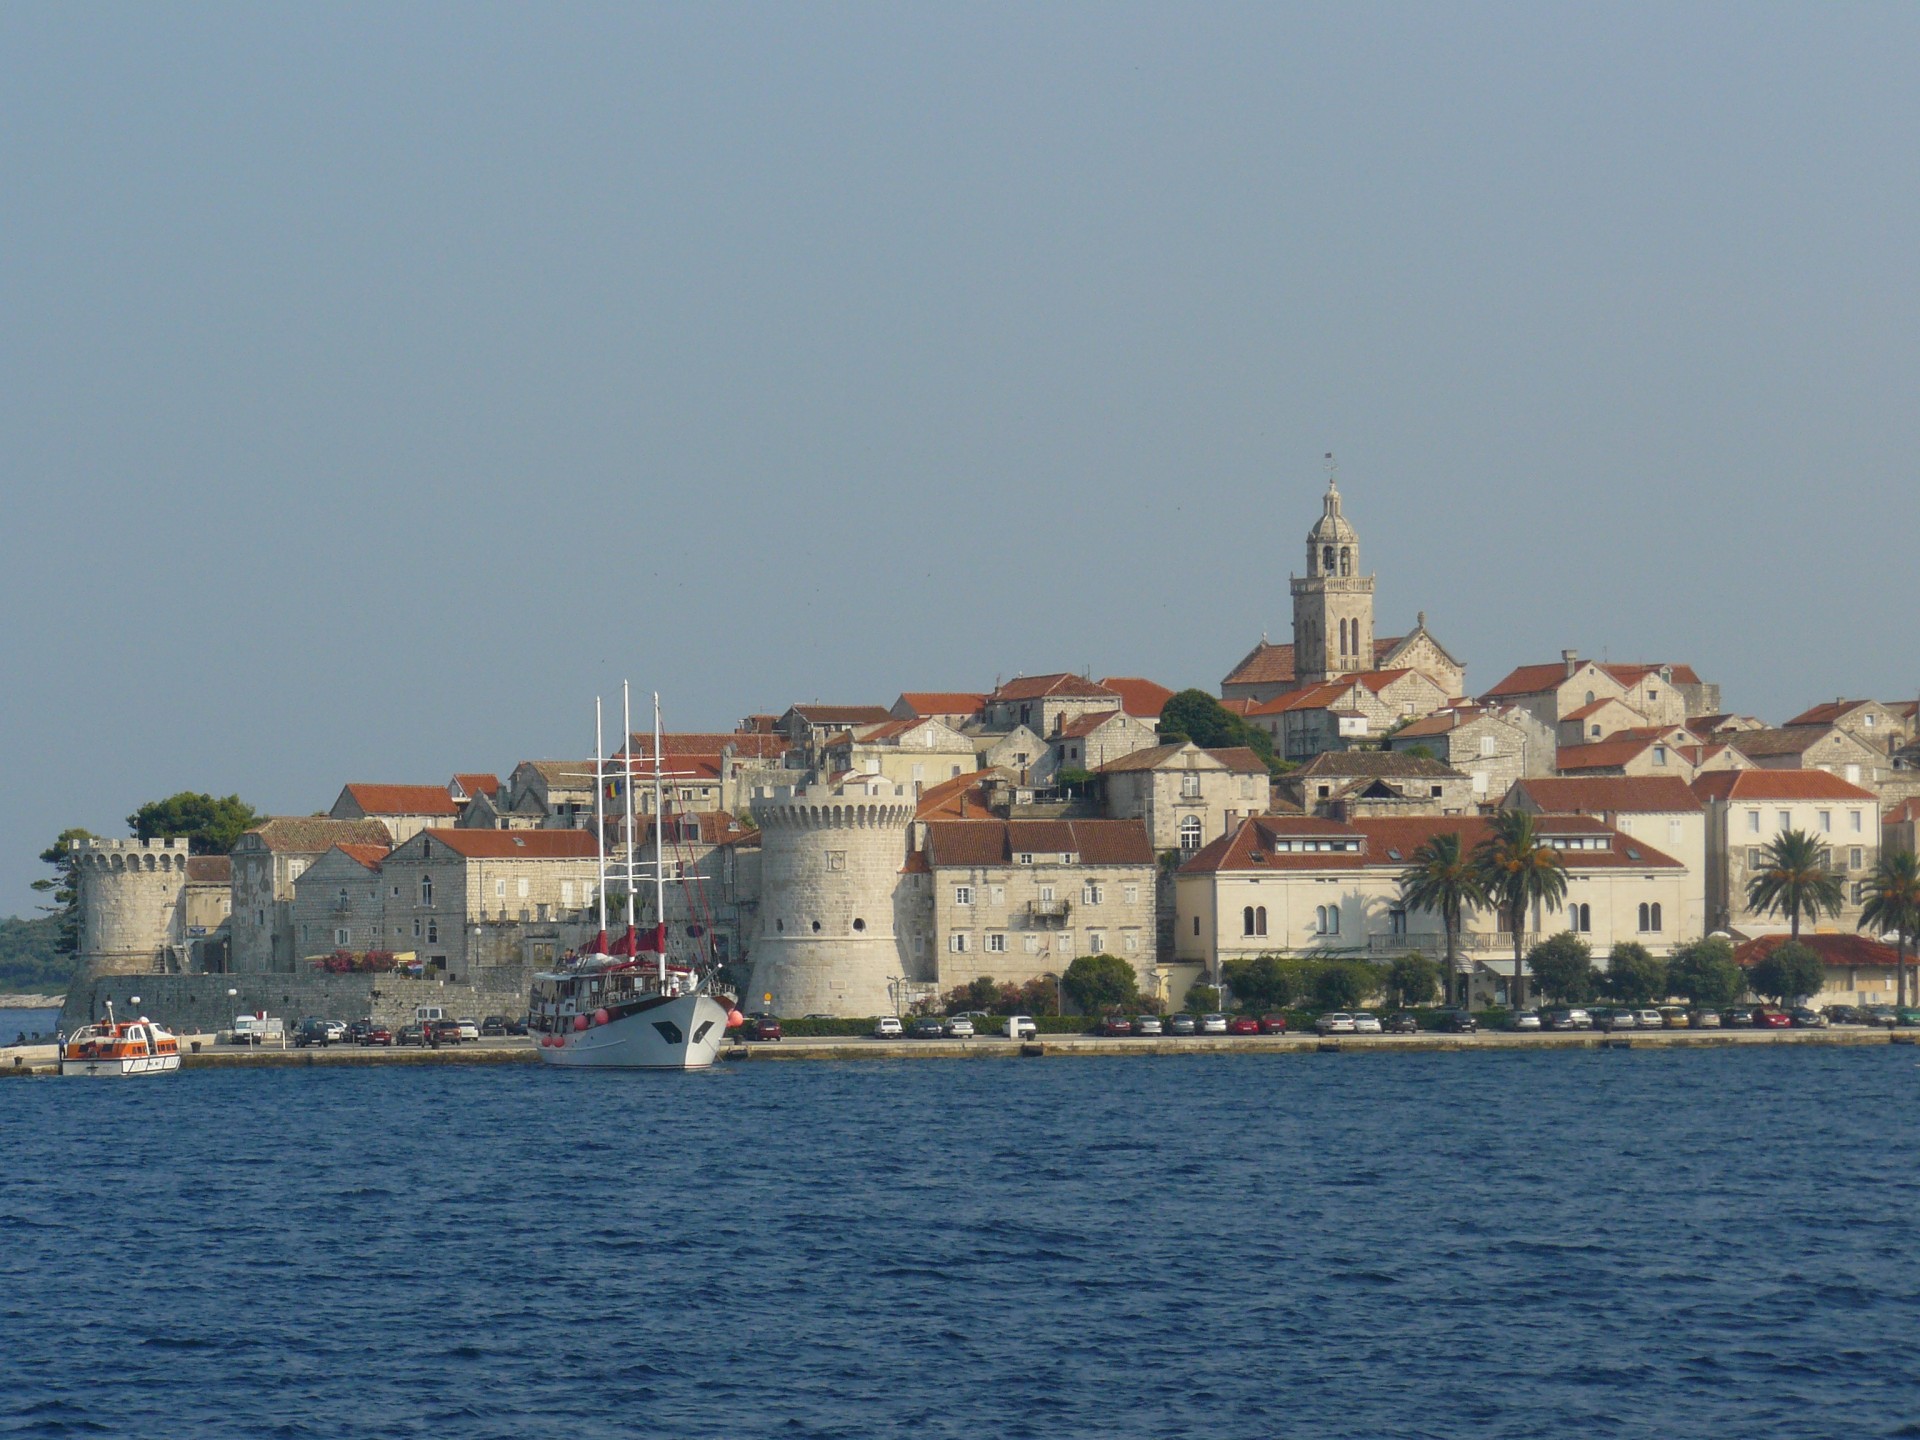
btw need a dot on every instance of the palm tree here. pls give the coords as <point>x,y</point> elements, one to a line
<point>1442,881</point>
<point>1794,880</point>
<point>1518,868</point>
<point>1893,903</point>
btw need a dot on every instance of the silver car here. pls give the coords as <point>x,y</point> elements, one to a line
<point>1335,1022</point>
<point>1527,1020</point>
<point>1213,1024</point>
<point>1148,1025</point>
<point>1365,1024</point>
<point>1651,1019</point>
<point>959,1028</point>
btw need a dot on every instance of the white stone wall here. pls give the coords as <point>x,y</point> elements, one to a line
<point>1738,832</point>
<point>131,898</point>
<point>1021,922</point>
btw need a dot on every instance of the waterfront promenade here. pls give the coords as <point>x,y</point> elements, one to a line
<point>27,1060</point>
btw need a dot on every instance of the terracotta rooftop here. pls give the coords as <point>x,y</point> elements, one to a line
<point>1141,698</point>
<point>1776,785</point>
<point>1048,687</point>
<point>368,857</point>
<point>1373,765</point>
<point>511,844</point>
<point>1837,950</point>
<point>315,834</point>
<point>1233,757</point>
<point>966,843</point>
<point>210,869</point>
<point>1259,843</point>
<point>1907,811</point>
<point>941,702</point>
<point>1602,754</point>
<point>958,798</point>
<point>1081,726</point>
<point>705,742</point>
<point>1795,740</point>
<point>1265,664</point>
<point>402,799</point>
<point>478,783</point>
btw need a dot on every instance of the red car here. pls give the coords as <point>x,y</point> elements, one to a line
<point>1243,1025</point>
<point>763,1027</point>
<point>1116,1025</point>
<point>1273,1024</point>
<point>379,1035</point>
<point>1768,1018</point>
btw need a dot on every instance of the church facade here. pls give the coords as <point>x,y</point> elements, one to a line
<point>1333,627</point>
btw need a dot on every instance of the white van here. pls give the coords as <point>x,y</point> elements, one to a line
<point>425,1014</point>
<point>1020,1027</point>
<point>259,1030</point>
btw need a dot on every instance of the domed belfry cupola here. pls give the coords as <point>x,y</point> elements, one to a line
<point>1333,602</point>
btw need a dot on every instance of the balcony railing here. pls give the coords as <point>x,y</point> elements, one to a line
<point>1049,912</point>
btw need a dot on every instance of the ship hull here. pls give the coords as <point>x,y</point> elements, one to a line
<point>682,1032</point>
<point>119,1067</point>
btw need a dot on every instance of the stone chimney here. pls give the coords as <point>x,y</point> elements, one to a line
<point>1571,659</point>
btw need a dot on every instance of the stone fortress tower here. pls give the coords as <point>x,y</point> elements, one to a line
<point>132,905</point>
<point>831,857</point>
<point>1333,601</point>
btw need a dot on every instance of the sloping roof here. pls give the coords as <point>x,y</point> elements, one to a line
<point>1374,765</point>
<point>1834,950</point>
<point>478,783</point>
<point>1631,675</point>
<point>368,857</point>
<point>1776,785</point>
<point>315,834</point>
<point>1238,706</point>
<point>1794,740</point>
<point>562,774</point>
<point>1601,754</point>
<point>709,742</point>
<point>1597,706</point>
<point>1440,723</point>
<point>514,844</point>
<point>1082,726</point>
<point>402,799</point>
<point>1532,680</point>
<point>956,798</point>
<point>1263,665</point>
<point>1267,842</point>
<point>941,702</point>
<point>1389,843</point>
<point>1611,794</point>
<point>210,869</point>
<point>995,842</point>
<point>1139,697</point>
<point>1829,713</point>
<point>1311,697</point>
<point>1907,811</point>
<point>1061,686</point>
<point>1240,759</point>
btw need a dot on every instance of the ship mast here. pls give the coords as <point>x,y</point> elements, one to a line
<point>626,728</point>
<point>659,851</point>
<point>600,821</point>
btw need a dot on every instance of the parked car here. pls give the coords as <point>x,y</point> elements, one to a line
<point>1020,1027</point>
<point>1736,1016</point>
<point>1182,1025</point>
<point>448,1032</point>
<point>1674,1017</point>
<point>1526,1020</point>
<point>1243,1025</point>
<point>1805,1017</point>
<point>1768,1017</point>
<point>517,1026</point>
<point>411,1035</point>
<point>469,1027</point>
<point>1909,1016</point>
<point>1116,1025</point>
<point>1845,1015</point>
<point>494,1025</point>
<point>1403,1024</point>
<point>1650,1019</point>
<point>762,1027</point>
<point>1704,1019</point>
<point>1458,1022</point>
<point>378,1035</point>
<point>313,1032</point>
<point>1618,1018</point>
<point>960,1027</point>
<point>927,1027</point>
<point>1882,1015</point>
<point>358,1031</point>
<point>1214,1024</point>
<point>1365,1023</point>
<point>1334,1022</point>
<point>1148,1025</point>
<point>1570,1017</point>
<point>888,1027</point>
<point>1275,1024</point>
<point>816,1015</point>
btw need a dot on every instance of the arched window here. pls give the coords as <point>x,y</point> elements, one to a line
<point>1190,833</point>
<point>1645,916</point>
<point>1326,559</point>
<point>1581,917</point>
<point>433,932</point>
<point>1589,697</point>
<point>1346,560</point>
<point>1655,926</point>
<point>1326,919</point>
<point>1333,919</point>
<point>1246,920</point>
<point>426,889</point>
<point>1260,920</point>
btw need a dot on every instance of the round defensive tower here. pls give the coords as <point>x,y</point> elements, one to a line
<point>830,863</point>
<point>130,903</point>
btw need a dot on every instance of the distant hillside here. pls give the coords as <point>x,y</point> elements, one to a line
<point>28,962</point>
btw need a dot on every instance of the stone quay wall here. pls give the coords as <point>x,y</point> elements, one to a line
<point>196,1004</point>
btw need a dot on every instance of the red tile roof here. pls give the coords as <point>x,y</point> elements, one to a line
<point>1263,665</point>
<point>1532,680</point>
<point>1907,811</point>
<point>1391,843</point>
<point>1596,707</point>
<point>709,742</point>
<point>402,799</point>
<point>210,869</point>
<point>368,857</point>
<point>1601,754</point>
<point>1061,686</point>
<point>478,783</point>
<point>956,798</point>
<point>1144,699</point>
<point>942,702</point>
<point>317,834</point>
<point>1237,706</point>
<point>1828,713</point>
<point>514,844</point>
<point>1237,758</point>
<point>1631,675</point>
<point>966,843</point>
<point>1776,785</point>
<point>1611,794</point>
<point>1835,950</point>
<point>1312,697</point>
<point>1082,726</point>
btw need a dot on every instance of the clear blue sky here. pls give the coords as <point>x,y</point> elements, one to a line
<point>377,382</point>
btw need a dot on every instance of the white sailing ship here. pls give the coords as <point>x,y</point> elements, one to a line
<point>630,1005</point>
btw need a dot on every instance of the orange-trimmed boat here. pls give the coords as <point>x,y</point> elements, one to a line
<point>120,1047</point>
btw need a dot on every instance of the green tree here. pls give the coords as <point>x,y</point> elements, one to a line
<point>1039,996</point>
<point>1195,715</point>
<point>1562,967</point>
<point>1412,980</point>
<point>1202,998</point>
<point>209,826</point>
<point>1519,870</point>
<point>1443,880</point>
<point>1099,983</point>
<point>1893,904</point>
<point>1635,975</point>
<point>1794,881</point>
<point>63,889</point>
<point>1788,973</point>
<point>1704,971</point>
<point>31,961</point>
<point>1344,984</point>
<point>1265,982</point>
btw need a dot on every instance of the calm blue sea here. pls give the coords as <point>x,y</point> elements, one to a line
<point>1608,1244</point>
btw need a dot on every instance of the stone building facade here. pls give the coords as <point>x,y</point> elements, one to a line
<point>146,906</point>
<point>1746,809</point>
<point>340,903</point>
<point>267,861</point>
<point>405,810</point>
<point>1492,748</point>
<point>1186,796</point>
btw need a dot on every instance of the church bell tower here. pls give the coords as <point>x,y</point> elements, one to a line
<point>1333,601</point>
